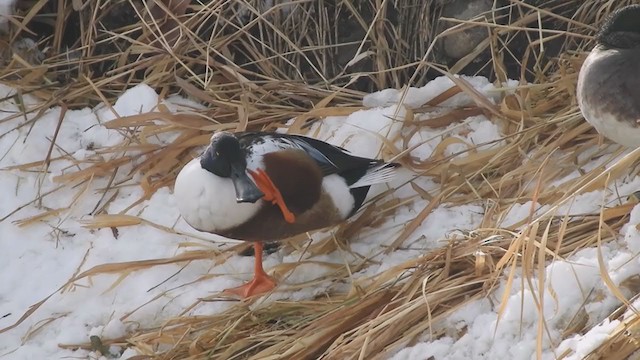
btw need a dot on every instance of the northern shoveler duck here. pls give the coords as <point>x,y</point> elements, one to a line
<point>609,80</point>
<point>257,186</point>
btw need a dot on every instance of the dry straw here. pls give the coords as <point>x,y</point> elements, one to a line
<point>255,67</point>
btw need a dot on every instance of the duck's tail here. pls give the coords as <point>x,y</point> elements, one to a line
<point>378,173</point>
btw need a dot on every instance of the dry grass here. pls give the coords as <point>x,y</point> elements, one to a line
<point>255,69</point>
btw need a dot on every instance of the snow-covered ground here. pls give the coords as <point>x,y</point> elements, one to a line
<point>40,256</point>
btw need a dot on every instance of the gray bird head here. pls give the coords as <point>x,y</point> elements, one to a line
<point>621,30</point>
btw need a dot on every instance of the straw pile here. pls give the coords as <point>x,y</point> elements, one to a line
<point>255,66</point>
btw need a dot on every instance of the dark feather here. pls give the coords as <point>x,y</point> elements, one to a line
<point>331,159</point>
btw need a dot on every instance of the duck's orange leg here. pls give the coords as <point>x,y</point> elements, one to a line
<point>261,282</point>
<point>271,193</point>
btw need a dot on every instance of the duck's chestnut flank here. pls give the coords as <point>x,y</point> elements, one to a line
<point>290,168</point>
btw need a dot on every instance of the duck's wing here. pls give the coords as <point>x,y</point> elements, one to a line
<point>358,171</point>
<point>331,159</point>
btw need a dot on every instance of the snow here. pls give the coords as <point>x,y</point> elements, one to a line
<point>592,339</point>
<point>39,259</point>
<point>416,97</point>
<point>569,285</point>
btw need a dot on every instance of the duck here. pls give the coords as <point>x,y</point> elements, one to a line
<point>608,89</point>
<point>265,187</point>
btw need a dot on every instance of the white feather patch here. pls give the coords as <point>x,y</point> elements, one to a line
<point>258,150</point>
<point>336,187</point>
<point>208,202</point>
<point>377,175</point>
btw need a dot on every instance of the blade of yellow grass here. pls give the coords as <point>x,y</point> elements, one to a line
<point>111,220</point>
<point>542,326</point>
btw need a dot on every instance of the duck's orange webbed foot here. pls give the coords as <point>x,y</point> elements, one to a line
<point>261,282</point>
<point>271,193</point>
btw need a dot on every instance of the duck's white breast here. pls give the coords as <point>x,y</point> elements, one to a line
<point>208,202</point>
<point>612,128</point>
<point>609,125</point>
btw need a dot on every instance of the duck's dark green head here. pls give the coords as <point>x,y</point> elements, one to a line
<point>225,158</point>
<point>222,155</point>
<point>621,30</point>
